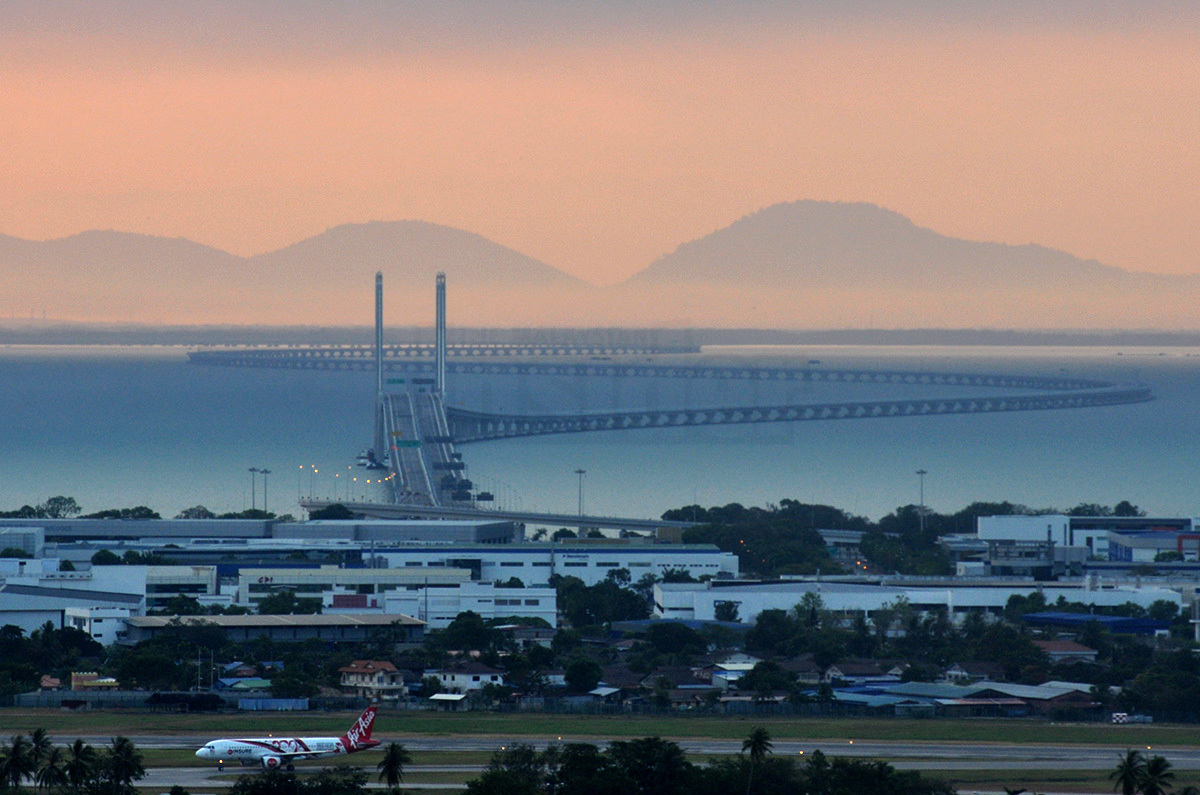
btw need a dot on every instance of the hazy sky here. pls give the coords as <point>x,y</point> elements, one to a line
<point>598,135</point>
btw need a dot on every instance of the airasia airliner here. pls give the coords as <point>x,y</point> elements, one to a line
<point>276,752</point>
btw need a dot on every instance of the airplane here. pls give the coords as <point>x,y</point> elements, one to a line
<point>276,752</point>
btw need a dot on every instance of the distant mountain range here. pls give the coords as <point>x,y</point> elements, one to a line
<point>798,265</point>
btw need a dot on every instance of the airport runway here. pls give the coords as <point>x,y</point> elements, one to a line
<point>915,755</point>
<point>921,756</point>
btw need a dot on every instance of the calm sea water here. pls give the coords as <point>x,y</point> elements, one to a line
<point>116,427</point>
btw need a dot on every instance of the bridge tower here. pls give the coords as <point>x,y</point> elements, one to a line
<point>439,341</point>
<point>381,448</point>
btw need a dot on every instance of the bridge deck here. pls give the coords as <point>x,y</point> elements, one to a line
<point>474,426</point>
<point>389,511</point>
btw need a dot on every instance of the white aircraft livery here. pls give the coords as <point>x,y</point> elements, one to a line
<point>276,752</point>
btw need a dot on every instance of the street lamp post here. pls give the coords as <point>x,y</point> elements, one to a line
<point>253,482</point>
<point>264,472</point>
<point>921,473</point>
<point>581,473</point>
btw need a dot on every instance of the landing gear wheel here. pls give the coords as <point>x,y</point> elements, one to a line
<point>290,767</point>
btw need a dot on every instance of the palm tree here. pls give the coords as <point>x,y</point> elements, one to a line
<point>1128,774</point>
<point>18,761</point>
<point>124,763</point>
<point>51,773</point>
<point>40,744</point>
<point>81,764</point>
<point>758,745</point>
<point>391,767</point>
<point>1156,776</point>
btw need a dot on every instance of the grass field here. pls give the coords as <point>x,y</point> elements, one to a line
<point>596,728</point>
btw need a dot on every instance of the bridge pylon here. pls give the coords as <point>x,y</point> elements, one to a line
<point>439,334</point>
<point>381,441</point>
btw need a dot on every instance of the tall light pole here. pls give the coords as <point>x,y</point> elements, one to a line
<point>581,473</point>
<point>921,473</point>
<point>264,472</point>
<point>253,482</point>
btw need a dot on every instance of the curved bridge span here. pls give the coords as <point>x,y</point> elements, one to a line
<point>474,426</point>
<point>772,374</point>
<point>473,362</point>
<point>362,357</point>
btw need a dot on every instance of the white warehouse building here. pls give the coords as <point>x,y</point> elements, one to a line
<point>438,607</point>
<point>699,601</point>
<point>533,564</point>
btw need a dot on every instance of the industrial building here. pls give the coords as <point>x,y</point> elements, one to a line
<point>699,601</point>
<point>342,628</point>
<point>534,563</point>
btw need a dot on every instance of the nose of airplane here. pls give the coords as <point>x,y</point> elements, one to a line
<point>204,753</point>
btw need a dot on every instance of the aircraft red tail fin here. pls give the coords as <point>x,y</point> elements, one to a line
<point>359,735</point>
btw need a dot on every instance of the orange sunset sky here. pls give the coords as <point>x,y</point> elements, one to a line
<point>598,136</point>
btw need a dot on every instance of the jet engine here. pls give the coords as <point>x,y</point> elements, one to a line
<point>271,762</point>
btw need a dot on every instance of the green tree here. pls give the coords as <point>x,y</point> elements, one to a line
<point>122,765</point>
<point>767,676</point>
<point>582,675</point>
<point>756,746</point>
<point>1156,776</point>
<point>285,603</point>
<point>1163,610</point>
<point>293,683</point>
<point>59,507</point>
<point>725,611</point>
<point>328,781</point>
<point>581,769</point>
<point>40,744</point>
<point>196,512</point>
<point>654,766</point>
<point>620,576</point>
<point>1126,508</point>
<point>672,638</point>
<point>51,773</point>
<point>391,767</point>
<point>18,762</point>
<point>501,782</point>
<point>104,557</point>
<point>1127,777</point>
<point>517,770</point>
<point>468,631</point>
<point>81,765</point>
<point>182,605</point>
<point>335,511</point>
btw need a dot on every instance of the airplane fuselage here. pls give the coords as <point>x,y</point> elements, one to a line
<point>276,752</point>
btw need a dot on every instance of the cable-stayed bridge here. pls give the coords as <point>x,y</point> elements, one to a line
<point>418,432</point>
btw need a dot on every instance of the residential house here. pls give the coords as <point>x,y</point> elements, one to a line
<point>373,679</point>
<point>805,668</point>
<point>468,675</point>
<point>857,672</point>
<point>1066,651</point>
<point>975,672</point>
